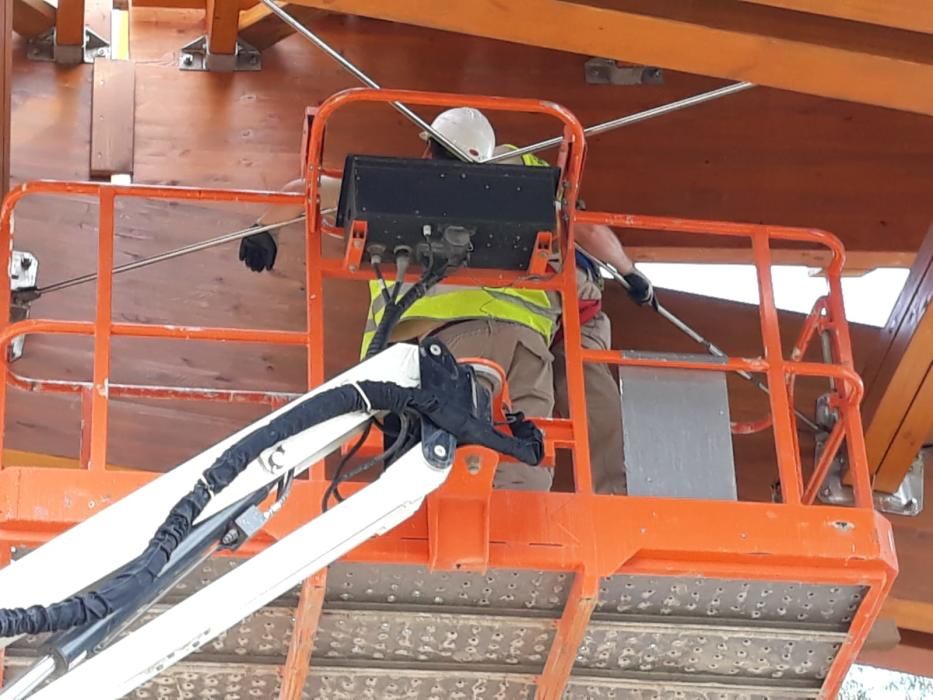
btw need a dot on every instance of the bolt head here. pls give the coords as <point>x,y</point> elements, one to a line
<point>440,451</point>
<point>435,350</point>
<point>826,492</point>
<point>187,59</point>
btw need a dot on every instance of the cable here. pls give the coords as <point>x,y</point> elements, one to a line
<point>332,487</point>
<point>385,457</point>
<point>394,311</point>
<point>377,268</point>
<point>120,589</point>
<point>405,437</point>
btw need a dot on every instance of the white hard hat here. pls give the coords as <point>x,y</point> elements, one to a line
<point>466,128</point>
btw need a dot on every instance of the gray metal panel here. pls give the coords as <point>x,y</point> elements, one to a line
<point>217,681</point>
<point>497,589</point>
<point>661,688</point>
<point>764,601</point>
<point>401,683</point>
<point>684,649</point>
<point>676,431</point>
<point>431,637</point>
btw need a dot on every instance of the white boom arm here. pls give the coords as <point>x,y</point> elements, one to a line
<point>88,551</point>
<point>92,549</point>
<point>184,628</point>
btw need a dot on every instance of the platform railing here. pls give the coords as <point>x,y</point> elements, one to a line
<point>589,534</point>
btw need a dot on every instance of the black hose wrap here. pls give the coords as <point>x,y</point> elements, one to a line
<point>526,444</point>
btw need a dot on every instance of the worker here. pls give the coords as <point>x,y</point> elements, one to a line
<point>603,401</point>
<point>511,327</point>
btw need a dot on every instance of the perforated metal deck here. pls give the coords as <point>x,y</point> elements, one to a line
<point>397,632</point>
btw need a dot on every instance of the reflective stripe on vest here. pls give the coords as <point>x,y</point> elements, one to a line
<point>447,302</point>
<point>529,158</point>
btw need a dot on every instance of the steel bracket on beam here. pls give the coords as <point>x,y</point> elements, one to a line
<point>606,71</point>
<point>44,48</point>
<point>195,56</point>
<point>907,500</point>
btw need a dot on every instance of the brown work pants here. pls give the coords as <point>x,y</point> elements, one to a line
<point>528,365</point>
<point>603,407</point>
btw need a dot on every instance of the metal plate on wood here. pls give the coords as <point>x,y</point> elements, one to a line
<point>676,430</point>
<point>431,637</point>
<point>723,599</point>
<point>410,585</point>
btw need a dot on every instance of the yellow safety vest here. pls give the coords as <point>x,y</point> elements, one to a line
<point>529,158</point>
<point>446,302</point>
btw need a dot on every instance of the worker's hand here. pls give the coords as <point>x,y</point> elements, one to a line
<point>258,251</point>
<point>640,289</point>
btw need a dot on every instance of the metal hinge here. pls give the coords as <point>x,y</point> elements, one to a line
<point>44,48</point>
<point>196,56</point>
<point>605,71</point>
<point>907,500</point>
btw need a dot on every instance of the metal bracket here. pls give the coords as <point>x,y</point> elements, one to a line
<point>195,56</point>
<point>606,71</point>
<point>907,500</point>
<point>24,275</point>
<point>44,48</point>
<point>825,415</point>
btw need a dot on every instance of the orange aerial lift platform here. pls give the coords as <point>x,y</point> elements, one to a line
<point>435,585</point>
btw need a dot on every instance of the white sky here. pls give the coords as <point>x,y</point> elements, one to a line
<point>868,299</point>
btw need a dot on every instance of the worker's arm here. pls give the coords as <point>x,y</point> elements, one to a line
<point>258,252</point>
<point>602,243</point>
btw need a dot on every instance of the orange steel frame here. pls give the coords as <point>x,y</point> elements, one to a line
<point>589,534</point>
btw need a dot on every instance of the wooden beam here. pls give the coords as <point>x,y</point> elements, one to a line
<point>915,15</point>
<point>69,23</point>
<point>873,65</point>
<point>913,655</point>
<point>916,615</point>
<point>113,105</point>
<point>187,4</point>
<point>6,87</point>
<point>307,616</point>
<point>899,378</point>
<point>261,29</point>
<point>858,261</point>
<point>32,17</point>
<point>222,25</point>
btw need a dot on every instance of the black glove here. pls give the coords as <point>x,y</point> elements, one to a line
<point>258,251</point>
<point>640,289</point>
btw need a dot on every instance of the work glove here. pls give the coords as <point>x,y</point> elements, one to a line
<point>640,289</point>
<point>258,251</point>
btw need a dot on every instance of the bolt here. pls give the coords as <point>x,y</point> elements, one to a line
<point>435,350</point>
<point>440,451</point>
<point>826,492</point>
<point>253,59</point>
<point>101,53</point>
<point>230,538</point>
<point>187,59</point>
<point>275,458</point>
